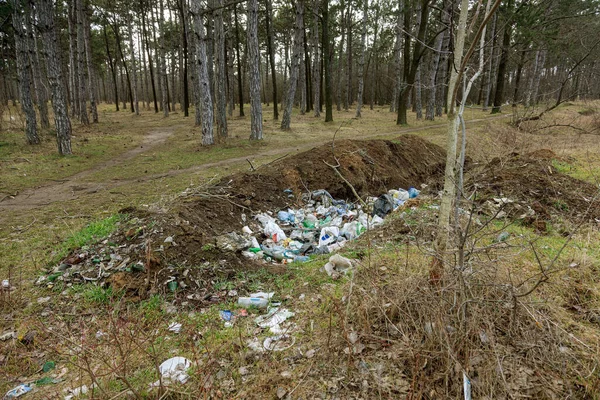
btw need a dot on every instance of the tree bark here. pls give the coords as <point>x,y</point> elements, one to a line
<point>361,63</point>
<point>81,67</point>
<point>298,31</point>
<point>38,83</point>
<point>398,57</point>
<point>71,20</point>
<point>338,94</point>
<point>271,49</point>
<point>316,67</point>
<point>239,61</point>
<point>327,63</point>
<point>163,63</point>
<point>221,71</point>
<point>59,104</point>
<point>90,66</point>
<point>499,95</point>
<point>111,64</point>
<point>184,65</point>
<point>24,71</point>
<point>256,128</point>
<point>349,97</point>
<point>206,104</point>
<point>150,64</point>
<point>136,104</point>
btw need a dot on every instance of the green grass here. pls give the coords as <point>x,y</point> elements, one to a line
<point>92,233</point>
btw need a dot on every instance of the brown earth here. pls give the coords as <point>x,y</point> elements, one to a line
<point>533,183</point>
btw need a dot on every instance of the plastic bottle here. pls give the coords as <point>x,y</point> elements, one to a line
<point>258,302</point>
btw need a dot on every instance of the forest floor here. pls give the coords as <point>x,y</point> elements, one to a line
<point>129,172</point>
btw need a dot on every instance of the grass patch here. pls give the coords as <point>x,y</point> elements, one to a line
<point>90,234</point>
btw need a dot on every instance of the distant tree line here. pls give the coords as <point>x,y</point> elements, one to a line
<point>216,56</point>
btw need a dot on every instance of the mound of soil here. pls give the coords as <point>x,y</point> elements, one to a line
<point>153,249</point>
<point>532,183</point>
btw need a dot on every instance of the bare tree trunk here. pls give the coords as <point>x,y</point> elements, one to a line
<point>24,71</point>
<point>71,19</point>
<point>239,61</point>
<point>327,63</point>
<point>374,55</point>
<point>150,64</point>
<point>338,94</point>
<point>230,75</point>
<point>133,69</point>
<point>163,63</point>
<point>361,63</point>
<point>143,71</point>
<point>52,55</point>
<point>206,104</point>
<point>435,65</point>
<point>271,49</point>
<point>538,76</point>
<point>298,32</point>
<point>256,128</point>
<point>398,57</point>
<point>193,56</point>
<point>38,82</point>
<point>499,95</point>
<point>221,71</point>
<point>112,66</point>
<point>349,97</point>
<point>316,75</point>
<point>302,83</point>
<point>491,65</point>
<point>90,66</point>
<point>81,67</point>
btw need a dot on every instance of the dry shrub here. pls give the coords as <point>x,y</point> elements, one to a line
<point>515,322</point>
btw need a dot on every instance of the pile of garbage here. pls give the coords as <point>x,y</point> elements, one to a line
<point>324,225</point>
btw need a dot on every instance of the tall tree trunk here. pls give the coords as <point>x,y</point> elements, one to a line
<point>398,57</point>
<point>491,64</point>
<point>206,104</point>
<point>538,76</point>
<point>327,63</point>
<point>302,82</point>
<point>133,69</point>
<point>230,74</point>
<point>361,63</point>
<point>502,67</point>
<point>150,64</point>
<point>239,61</point>
<point>316,75</point>
<point>184,65</point>
<point>411,64</point>
<point>374,54</point>
<point>88,57</point>
<point>24,71</point>
<point>298,31</point>
<point>163,62</point>
<point>221,71</point>
<point>433,69</point>
<point>81,67</point>
<point>349,97</point>
<point>38,83</point>
<point>51,48</point>
<point>111,64</point>
<point>124,66</point>
<point>271,49</point>
<point>307,71</point>
<point>194,72</point>
<point>338,94</point>
<point>73,74</point>
<point>256,128</point>
<point>519,72</point>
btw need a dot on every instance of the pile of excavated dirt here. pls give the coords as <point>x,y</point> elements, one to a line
<point>535,189</point>
<point>152,250</point>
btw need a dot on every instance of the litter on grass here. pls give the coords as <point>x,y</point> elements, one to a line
<point>173,370</point>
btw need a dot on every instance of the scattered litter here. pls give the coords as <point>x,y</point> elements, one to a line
<point>275,316</point>
<point>259,300</point>
<point>7,336</point>
<point>281,392</point>
<point>502,237</point>
<point>43,300</point>
<point>18,391</point>
<point>279,342</point>
<point>174,370</point>
<point>78,391</point>
<point>175,327</point>
<point>337,265</point>
<point>48,366</point>
<point>47,381</point>
<point>5,284</point>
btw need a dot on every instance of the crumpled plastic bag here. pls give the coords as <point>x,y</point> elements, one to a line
<point>337,265</point>
<point>174,370</point>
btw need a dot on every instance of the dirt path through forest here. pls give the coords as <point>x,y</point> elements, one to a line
<point>74,187</point>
